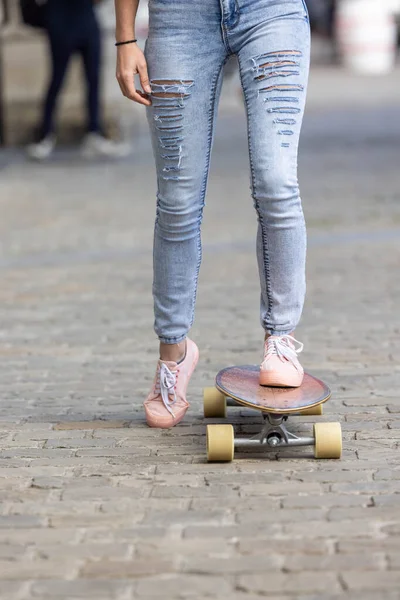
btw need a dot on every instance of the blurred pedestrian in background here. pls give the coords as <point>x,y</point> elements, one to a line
<point>72,27</point>
<point>321,15</point>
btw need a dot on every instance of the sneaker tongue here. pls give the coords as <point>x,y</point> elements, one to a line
<point>168,363</point>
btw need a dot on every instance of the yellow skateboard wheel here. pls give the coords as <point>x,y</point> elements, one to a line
<point>220,443</point>
<point>314,411</point>
<point>328,440</point>
<point>214,403</point>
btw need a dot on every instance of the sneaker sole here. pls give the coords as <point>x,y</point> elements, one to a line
<point>272,379</point>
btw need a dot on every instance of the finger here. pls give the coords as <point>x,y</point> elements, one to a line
<point>144,77</point>
<point>138,96</point>
<point>127,83</point>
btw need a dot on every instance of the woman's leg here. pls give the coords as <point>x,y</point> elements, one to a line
<point>185,56</point>
<point>91,54</point>
<point>61,50</point>
<point>274,65</point>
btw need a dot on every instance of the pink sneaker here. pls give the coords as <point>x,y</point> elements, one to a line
<point>166,405</point>
<point>280,366</point>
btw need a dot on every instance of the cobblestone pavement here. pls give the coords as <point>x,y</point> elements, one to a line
<point>96,505</point>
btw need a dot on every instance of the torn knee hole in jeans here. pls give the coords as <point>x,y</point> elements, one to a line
<point>175,128</point>
<point>279,53</point>
<point>170,88</point>
<point>285,121</point>
<point>169,99</point>
<point>167,118</point>
<point>276,64</point>
<point>277,69</point>
<point>288,99</point>
<point>283,88</point>
<point>171,143</point>
<point>288,110</point>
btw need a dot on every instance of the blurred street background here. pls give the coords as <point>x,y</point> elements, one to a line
<point>93,504</point>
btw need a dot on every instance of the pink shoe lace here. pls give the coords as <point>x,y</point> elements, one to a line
<point>165,386</point>
<point>284,347</point>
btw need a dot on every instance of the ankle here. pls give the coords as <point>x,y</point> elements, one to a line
<point>267,335</point>
<point>173,352</point>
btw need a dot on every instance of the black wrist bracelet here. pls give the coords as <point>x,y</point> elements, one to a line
<point>127,42</point>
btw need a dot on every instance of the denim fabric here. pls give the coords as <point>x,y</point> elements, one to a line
<point>189,41</point>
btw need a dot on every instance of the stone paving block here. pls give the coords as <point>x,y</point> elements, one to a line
<point>22,521</point>
<point>393,529</point>
<point>384,434</point>
<point>258,503</point>
<point>107,452</point>
<point>128,569</point>
<point>393,560</point>
<point>71,425</point>
<point>216,565</point>
<point>38,569</point>
<point>183,586</point>
<point>378,544</point>
<point>233,531</point>
<point>284,547</point>
<point>81,588</point>
<point>279,489</point>
<point>47,483</point>
<point>388,474</point>
<point>80,551</point>
<point>12,483</point>
<point>367,580</point>
<point>282,515</point>
<point>13,590</point>
<point>147,506</point>
<point>186,548</point>
<point>385,455</point>
<point>335,562</point>
<point>103,533</point>
<point>103,492</point>
<point>190,517</point>
<point>82,521</point>
<point>383,514</point>
<point>78,443</point>
<point>332,529</point>
<point>53,508</point>
<point>375,488</point>
<point>11,551</point>
<point>334,476</point>
<point>293,583</point>
<point>326,500</point>
<point>175,491</point>
<point>36,453</point>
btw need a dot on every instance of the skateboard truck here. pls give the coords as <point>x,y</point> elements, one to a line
<point>274,434</point>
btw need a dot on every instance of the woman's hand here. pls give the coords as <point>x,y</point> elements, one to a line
<point>130,61</point>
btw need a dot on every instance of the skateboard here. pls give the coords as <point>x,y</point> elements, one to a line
<point>238,386</point>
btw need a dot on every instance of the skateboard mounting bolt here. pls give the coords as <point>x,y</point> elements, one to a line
<point>274,440</point>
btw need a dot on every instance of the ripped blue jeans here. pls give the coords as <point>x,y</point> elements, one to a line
<point>188,44</point>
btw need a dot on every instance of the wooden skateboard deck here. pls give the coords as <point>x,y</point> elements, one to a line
<point>241,384</point>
